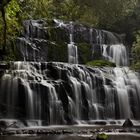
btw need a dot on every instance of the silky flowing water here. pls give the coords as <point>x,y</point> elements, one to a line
<point>37,93</point>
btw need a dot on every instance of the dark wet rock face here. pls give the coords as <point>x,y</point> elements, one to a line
<point>49,40</point>
<point>1,73</point>
<point>4,66</point>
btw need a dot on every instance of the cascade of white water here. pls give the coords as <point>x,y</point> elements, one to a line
<point>55,105</point>
<point>124,78</point>
<point>76,86</point>
<point>117,54</point>
<point>22,73</point>
<point>88,93</point>
<point>10,93</point>
<point>91,42</point>
<point>111,48</point>
<point>72,48</point>
<point>60,93</point>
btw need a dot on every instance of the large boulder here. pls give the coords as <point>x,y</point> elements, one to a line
<point>128,123</point>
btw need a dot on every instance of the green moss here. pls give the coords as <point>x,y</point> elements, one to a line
<point>100,63</point>
<point>102,136</point>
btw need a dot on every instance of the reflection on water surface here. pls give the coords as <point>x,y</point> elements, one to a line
<point>66,137</point>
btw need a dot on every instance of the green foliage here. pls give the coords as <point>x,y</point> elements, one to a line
<point>136,52</point>
<point>12,10</point>
<point>102,136</point>
<point>36,9</point>
<point>70,10</point>
<point>13,25</point>
<point>89,18</point>
<point>116,15</point>
<point>100,63</point>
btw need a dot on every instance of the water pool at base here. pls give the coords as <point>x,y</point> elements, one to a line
<point>68,137</point>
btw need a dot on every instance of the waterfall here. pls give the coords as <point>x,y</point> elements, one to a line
<point>38,43</point>
<point>112,48</point>
<point>117,54</point>
<point>56,93</point>
<point>72,48</point>
<point>77,94</point>
<point>91,43</point>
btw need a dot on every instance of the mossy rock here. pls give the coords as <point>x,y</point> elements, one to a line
<point>101,63</point>
<point>102,136</point>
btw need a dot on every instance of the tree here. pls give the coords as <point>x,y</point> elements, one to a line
<point>3,3</point>
<point>136,52</point>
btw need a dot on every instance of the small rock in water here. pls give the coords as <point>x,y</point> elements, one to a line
<point>128,123</point>
<point>102,136</point>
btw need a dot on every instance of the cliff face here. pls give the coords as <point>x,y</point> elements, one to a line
<point>49,40</point>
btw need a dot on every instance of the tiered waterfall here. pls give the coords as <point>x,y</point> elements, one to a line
<point>56,93</point>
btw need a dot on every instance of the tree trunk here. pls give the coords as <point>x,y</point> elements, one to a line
<point>5,28</point>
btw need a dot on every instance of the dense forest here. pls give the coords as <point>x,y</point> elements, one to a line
<point>120,16</point>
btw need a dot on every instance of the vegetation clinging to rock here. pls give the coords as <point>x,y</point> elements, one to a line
<point>102,136</point>
<point>136,53</point>
<point>124,17</point>
<point>100,63</point>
